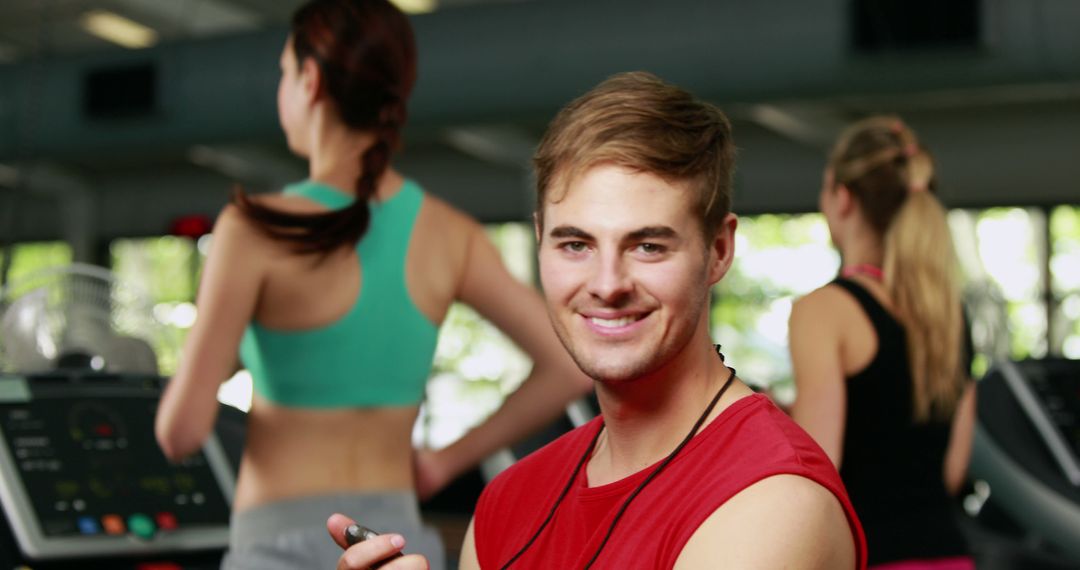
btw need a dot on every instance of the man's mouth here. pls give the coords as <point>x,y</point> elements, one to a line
<point>615,322</point>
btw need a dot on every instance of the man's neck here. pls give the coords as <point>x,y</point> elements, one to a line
<point>646,418</point>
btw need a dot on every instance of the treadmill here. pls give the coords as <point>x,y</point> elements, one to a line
<point>83,481</point>
<point>1027,449</point>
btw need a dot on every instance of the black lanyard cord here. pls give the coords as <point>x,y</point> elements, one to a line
<point>622,509</point>
<point>659,468</point>
<point>551,513</point>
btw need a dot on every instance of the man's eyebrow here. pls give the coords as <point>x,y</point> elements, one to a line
<point>653,232</point>
<point>560,232</point>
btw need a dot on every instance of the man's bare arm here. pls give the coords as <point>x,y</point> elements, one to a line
<point>784,521</point>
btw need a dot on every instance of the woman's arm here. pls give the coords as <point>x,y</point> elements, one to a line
<point>820,398</point>
<point>519,312</point>
<point>958,454</point>
<point>226,301</point>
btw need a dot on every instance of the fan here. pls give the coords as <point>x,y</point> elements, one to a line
<point>78,316</point>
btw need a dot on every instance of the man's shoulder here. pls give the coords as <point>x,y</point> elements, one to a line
<point>818,530</point>
<point>756,442</point>
<point>761,435</point>
<point>768,473</point>
<point>784,494</point>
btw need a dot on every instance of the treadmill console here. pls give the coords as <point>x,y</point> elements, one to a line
<point>1048,392</point>
<point>82,475</point>
<point>1058,387</point>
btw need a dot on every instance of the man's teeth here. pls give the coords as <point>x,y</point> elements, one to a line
<point>612,323</point>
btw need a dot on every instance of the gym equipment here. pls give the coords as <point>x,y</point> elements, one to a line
<point>1027,449</point>
<point>82,479</point>
<point>81,474</point>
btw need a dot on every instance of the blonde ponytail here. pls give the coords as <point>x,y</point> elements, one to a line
<point>921,277</point>
<point>881,162</point>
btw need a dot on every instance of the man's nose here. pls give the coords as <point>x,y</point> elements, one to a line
<point>610,279</point>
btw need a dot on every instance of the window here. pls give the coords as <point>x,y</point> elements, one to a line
<point>1003,258</point>
<point>27,258</point>
<point>1064,335</point>
<point>777,259</point>
<point>165,271</point>
<point>476,366</point>
<point>782,257</point>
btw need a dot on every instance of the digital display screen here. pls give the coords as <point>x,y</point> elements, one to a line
<point>90,465</point>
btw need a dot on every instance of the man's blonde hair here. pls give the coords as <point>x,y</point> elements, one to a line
<point>637,121</point>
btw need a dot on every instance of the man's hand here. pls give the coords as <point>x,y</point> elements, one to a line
<point>374,553</point>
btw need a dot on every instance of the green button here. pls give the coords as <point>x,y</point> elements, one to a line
<point>141,526</point>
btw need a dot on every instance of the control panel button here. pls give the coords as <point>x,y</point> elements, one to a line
<point>141,526</point>
<point>166,521</point>
<point>158,566</point>
<point>113,524</point>
<point>89,525</point>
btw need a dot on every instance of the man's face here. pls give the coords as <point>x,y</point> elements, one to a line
<point>626,271</point>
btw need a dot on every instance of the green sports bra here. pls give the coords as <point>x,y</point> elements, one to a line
<point>377,354</point>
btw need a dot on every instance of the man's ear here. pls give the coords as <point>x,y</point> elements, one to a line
<point>722,248</point>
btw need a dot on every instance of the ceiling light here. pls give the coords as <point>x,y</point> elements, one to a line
<point>208,17</point>
<point>118,29</point>
<point>416,6</point>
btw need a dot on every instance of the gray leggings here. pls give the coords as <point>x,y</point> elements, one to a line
<point>291,534</point>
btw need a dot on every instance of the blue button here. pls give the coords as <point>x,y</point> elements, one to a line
<point>89,525</point>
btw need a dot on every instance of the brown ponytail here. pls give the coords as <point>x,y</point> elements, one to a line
<point>880,161</point>
<point>367,55</point>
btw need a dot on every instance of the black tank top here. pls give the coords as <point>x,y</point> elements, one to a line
<point>891,465</point>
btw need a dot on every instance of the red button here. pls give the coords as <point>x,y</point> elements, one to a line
<point>113,524</point>
<point>166,521</point>
<point>158,566</point>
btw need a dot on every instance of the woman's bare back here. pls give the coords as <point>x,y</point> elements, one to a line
<point>296,452</point>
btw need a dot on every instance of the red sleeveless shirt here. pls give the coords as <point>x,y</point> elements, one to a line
<point>747,442</point>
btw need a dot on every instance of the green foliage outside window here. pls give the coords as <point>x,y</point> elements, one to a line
<point>475,365</point>
<point>778,258</point>
<point>27,258</point>
<point>164,269</point>
<point>1065,269</point>
<point>1009,246</point>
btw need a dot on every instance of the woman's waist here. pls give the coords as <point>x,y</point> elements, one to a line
<point>303,456</point>
<point>260,483</point>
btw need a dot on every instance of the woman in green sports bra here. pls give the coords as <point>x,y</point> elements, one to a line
<point>332,292</point>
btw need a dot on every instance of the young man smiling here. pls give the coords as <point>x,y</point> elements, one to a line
<point>686,467</point>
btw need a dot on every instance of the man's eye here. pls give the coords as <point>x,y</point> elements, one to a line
<point>574,246</point>
<point>651,248</point>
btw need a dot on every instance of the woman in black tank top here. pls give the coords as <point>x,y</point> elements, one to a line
<point>879,355</point>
